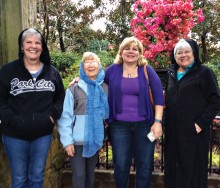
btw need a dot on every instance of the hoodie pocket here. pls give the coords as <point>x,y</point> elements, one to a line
<point>23,124</point>
<point>42,124</point>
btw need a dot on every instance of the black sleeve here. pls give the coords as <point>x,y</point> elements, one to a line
<point>209,87</point>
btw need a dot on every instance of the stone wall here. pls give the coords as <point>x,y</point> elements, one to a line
<point>55,163</point>
<point>105,179</point>
<point>4,168</point>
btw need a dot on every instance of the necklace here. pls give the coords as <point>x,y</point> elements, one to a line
<point>130,73</point>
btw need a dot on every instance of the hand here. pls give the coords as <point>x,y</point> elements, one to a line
<point>75,80</point>
<point>70,150</point>
<point>198,129</point>
<point>157,129</point>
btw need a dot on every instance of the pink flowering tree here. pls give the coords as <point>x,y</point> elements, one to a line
<point>159,24</point>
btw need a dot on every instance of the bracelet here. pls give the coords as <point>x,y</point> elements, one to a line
<point>158,121</point>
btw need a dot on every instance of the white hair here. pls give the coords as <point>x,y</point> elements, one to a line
<point>88,55</point>
<point>31,31</point>
<point>181,44</point>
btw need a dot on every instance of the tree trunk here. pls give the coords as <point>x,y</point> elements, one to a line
<point>204,48</point>
<point>60,33</point>
<point>46,21</point>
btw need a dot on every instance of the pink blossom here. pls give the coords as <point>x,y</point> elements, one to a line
<point>200,16</point>
<point>159,24</point>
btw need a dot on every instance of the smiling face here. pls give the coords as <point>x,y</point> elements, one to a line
<point>184,57</point>
<point>130,54</point>
<point>32,47</point>
<point>91,67</point>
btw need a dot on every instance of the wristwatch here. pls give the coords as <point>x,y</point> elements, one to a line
<point>158,121</point>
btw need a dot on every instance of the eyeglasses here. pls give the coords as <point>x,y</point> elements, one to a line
<point>94,63</point>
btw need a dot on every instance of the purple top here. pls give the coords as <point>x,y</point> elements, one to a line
<point>113,77</point>
<point>130,93</point>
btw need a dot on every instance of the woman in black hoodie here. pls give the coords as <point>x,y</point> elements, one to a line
<point>31,100</point>
<point>192,101</point>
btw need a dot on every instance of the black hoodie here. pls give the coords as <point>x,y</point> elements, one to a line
<point>26,103</point>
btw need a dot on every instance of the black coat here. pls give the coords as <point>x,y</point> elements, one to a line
<point>193,99</point>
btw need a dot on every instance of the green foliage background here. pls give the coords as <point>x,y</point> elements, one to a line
<point>215,66</point>
<point>68,63</point>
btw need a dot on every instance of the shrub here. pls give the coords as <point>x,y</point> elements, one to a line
<point>215,136</point>
<point>67,64</point>
<point>62,60</point>
<point>214,65</point>
<point>215,157</point>
<point>106,57</point>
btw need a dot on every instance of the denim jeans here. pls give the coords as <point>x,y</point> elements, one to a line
<point>83,169</point>
<point>129,140</point>
<point>27,160</point>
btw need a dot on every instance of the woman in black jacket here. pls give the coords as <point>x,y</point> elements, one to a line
<point>31,100</point>
<point>192,101</point>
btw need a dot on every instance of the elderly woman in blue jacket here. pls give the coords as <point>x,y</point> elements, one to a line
<point>81,124</point>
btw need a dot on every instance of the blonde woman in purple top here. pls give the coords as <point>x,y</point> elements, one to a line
<point>132,116</point>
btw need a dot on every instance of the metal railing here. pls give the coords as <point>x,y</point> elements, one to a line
<point>105,155</point>
<point>214,147</point>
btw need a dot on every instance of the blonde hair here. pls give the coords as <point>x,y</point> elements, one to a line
<point>90,55</point>
<point>128,41</point>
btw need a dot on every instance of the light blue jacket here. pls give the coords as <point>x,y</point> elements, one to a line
<point>71,125</point>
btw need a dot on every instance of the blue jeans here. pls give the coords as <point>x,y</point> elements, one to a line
<point>129,140</point>
<point>27,160</point>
